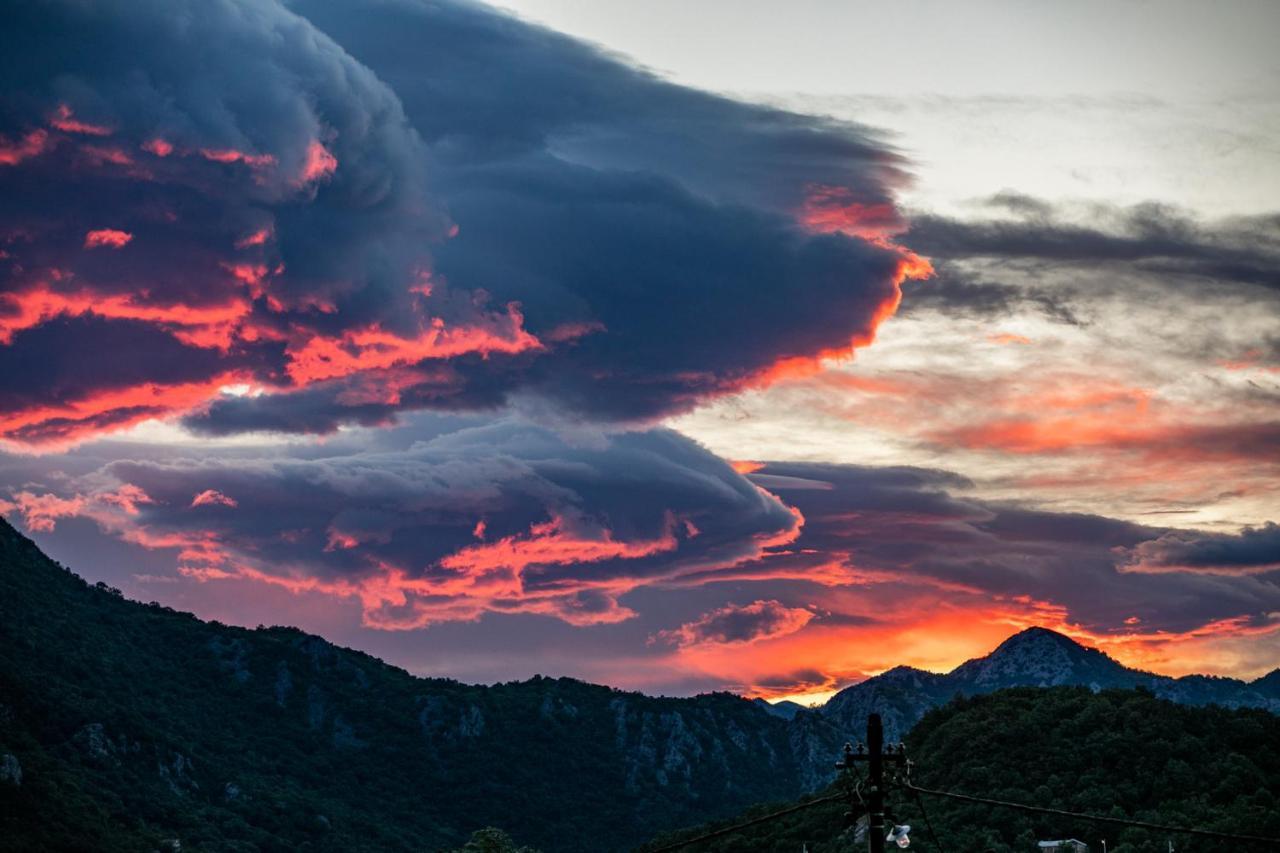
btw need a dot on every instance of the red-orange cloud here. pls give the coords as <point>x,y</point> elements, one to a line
<point>319,164</point>
<point>318,358</point>
<point>109,237</point>
<point>33,144</point>
<point>64,119</point>
<point>213,497</point>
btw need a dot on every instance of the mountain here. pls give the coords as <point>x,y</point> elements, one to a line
<point>129,727</point>
<point>1036,657</point>
<point>125,727</point>
<point>786,709</point>
<point>1120,753</point>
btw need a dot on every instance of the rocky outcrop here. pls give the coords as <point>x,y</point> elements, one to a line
<point>232,655</point>
<point>99,747</point>
<point>10,770</point>
<point>175,771</point>
<point>284,684</point>
<point>471,723</point>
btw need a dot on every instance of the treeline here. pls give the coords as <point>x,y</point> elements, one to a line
<point>1120,753</point>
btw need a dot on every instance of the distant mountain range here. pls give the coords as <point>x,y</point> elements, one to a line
<point>126,726</point>
<point>1036,657</point>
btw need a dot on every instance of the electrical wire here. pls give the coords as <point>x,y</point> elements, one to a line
<point>762,819</point>
<point>1141,824</point>
<point>928,824</point>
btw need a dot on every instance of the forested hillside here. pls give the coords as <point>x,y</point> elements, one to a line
<point>127,727</point>
<point>1119,753</point>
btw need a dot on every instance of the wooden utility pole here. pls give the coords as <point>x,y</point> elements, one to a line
<point>875,794</point>
<point>875,757</point>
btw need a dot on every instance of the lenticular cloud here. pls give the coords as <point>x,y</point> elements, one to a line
<point>506,517</point>
<point>219,212</point>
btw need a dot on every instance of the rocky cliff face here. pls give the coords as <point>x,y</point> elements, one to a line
<point>1036,657</point>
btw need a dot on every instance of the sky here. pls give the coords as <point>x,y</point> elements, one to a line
<point>683,347</point>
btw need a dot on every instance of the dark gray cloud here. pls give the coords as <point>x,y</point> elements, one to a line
<point>363,208</point>
<point>1252,550</point>
<point>759,620</point>
<point>502,517</point>
<point>1159,243</point>
<point>1154,237</point>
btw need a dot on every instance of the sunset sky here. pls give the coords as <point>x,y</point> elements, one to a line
<point>674,346</point>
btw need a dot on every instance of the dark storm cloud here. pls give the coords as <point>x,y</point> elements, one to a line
<point>1157,242</point>
<point>1154,237</point>
<point>1253,550</point>
<point>433,205</point>
<point>250,187</point>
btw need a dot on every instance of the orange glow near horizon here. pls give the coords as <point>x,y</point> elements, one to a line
<point>802,653</point>
<point>946,635</point>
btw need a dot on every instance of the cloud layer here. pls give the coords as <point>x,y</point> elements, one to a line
<point>795,577</point>
<point>505,517</point>
<point>268,229</point>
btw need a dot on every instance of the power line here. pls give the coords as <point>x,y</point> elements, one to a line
<point>1207,833</point>
<point>762,819</point>
<point>928,824</point>
<point>876,759</point>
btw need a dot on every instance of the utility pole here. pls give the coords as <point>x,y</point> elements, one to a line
<point>875,756</point>
<point>875,799</point>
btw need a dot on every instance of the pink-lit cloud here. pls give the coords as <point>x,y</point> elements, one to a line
<point>213,497</point>
<point>111,238</point>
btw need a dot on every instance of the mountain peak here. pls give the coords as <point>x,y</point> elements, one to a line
<point>1039,656</point>
<point>1038,636</point>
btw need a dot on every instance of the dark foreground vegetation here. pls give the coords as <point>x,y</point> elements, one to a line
<point>1121,753</point>
<point>128,727</point>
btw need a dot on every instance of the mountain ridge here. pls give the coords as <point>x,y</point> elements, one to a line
<point>1033,657</point>
<point>124,725</point>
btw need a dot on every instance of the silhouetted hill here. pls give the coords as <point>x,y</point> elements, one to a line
<point>1036,657</point>
<point>124,726</point>
<point>785,709</point>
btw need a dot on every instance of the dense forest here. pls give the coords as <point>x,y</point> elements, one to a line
<point>131,727</point>
<point>1119,753</point>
